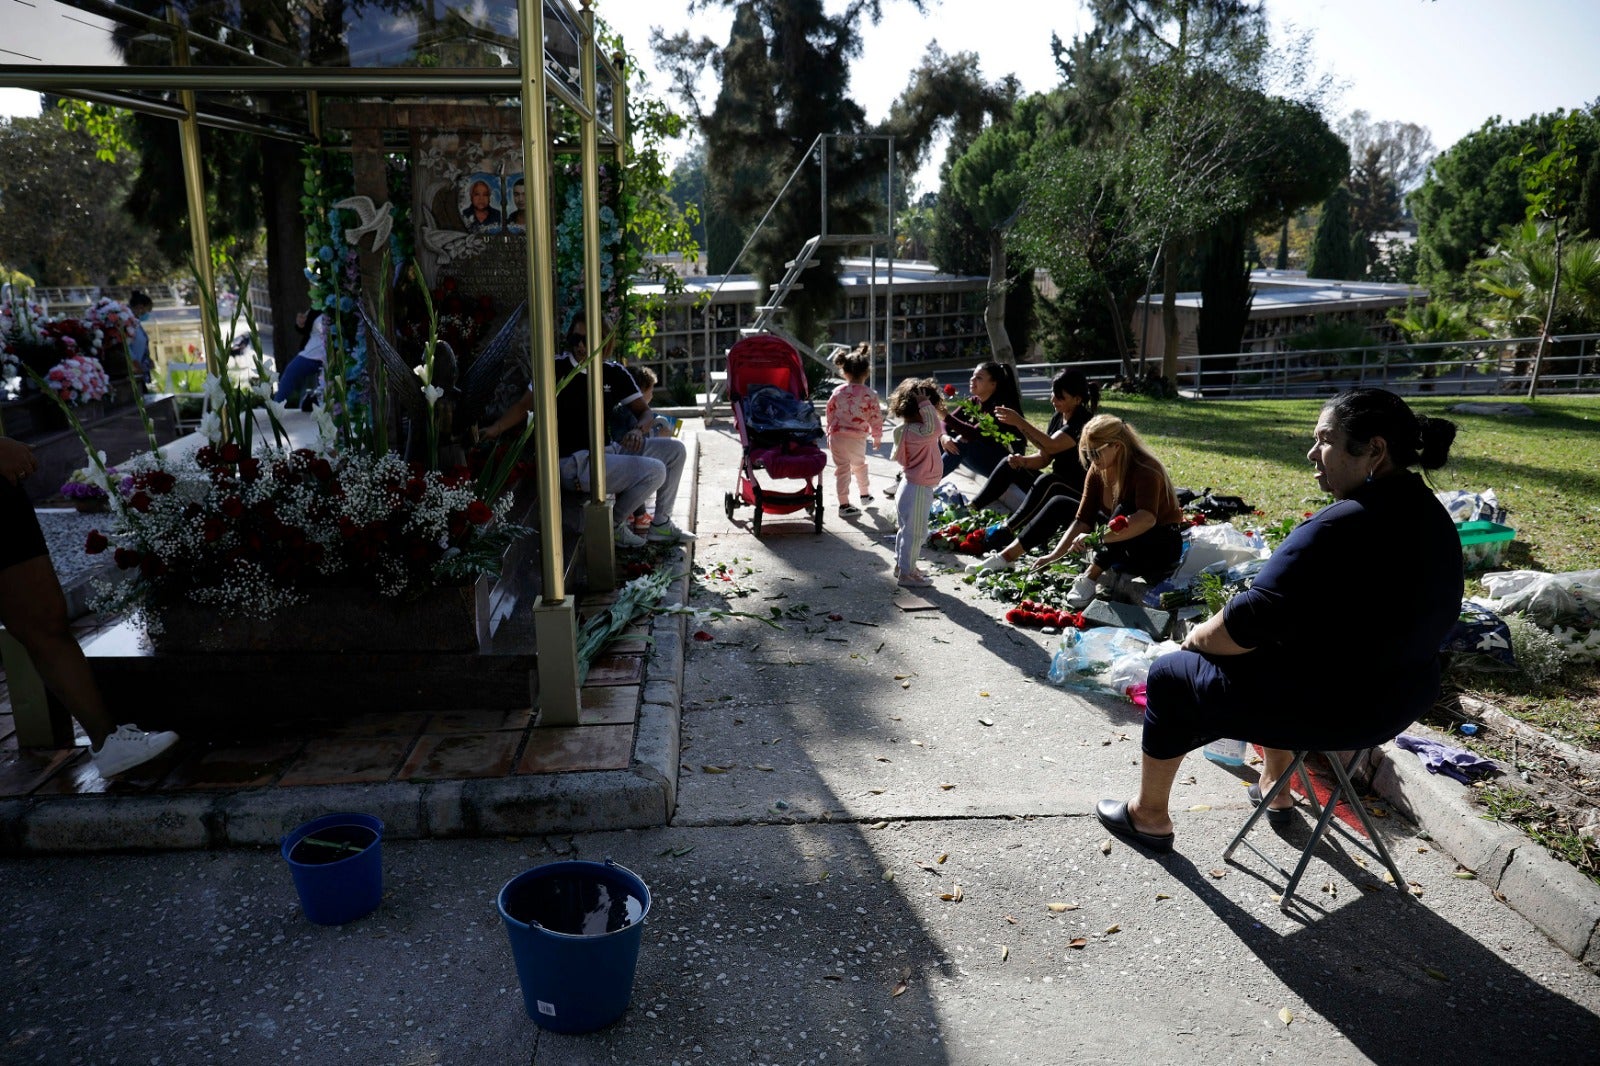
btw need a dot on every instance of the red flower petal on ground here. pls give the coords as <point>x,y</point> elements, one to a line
<point>96,542</point>
<point>703,635</point>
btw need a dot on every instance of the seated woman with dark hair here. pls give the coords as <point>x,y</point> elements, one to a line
<point>1280,666</point>
<point>993,385</point>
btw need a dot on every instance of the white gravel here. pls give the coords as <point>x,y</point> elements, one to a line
<point>64,532</point>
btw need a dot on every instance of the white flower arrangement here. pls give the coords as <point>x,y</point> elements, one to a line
<point>249,534</point>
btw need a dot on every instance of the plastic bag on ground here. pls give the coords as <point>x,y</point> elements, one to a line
<point>1549,600</point>
<point>1213,544</point>
<point>1106,657</point>
<point>1472,506</point>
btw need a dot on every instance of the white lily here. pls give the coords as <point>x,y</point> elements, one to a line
<point>431,393</point>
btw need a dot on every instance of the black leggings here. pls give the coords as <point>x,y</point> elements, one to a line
<point>1003,477</point>
<point>1153,555</point>
<point>1048,509</point>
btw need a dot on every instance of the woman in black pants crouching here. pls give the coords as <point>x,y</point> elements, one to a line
<point>1056,470</point>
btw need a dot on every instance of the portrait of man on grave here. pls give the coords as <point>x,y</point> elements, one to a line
<point>516,212</point>
<point>479,203</point>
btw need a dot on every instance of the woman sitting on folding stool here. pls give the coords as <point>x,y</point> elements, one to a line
<point>1336,645</point>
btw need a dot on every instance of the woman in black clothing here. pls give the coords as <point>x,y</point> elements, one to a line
<point>1056,470</point>
<point>993,385</point>
<point>1282,665</point>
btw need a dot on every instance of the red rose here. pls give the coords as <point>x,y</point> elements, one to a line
<point>1199,520</point>
<point>160,482</point>
<point>1119,523</point>
<point>233,507</point>
<point>1308,514</point>
<point>949,390</point>
<point>703,635</point>
<point>140,501</point>
<point>321,469</point>
<point>229,452</point>
<point>96,542</point>
<point>479,512</point>
<point>126,558</point>
<point>1014,616</point>
<point>250,468</point>
<point>212,529</point>
<point>152,566</point>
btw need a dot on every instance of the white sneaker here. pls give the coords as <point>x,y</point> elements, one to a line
<point>668,533</point>
<point>997,561</point>
<point>624,537</point>
<point>128,747</point>
<point>1082,593</point>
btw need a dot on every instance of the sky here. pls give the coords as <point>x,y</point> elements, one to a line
<point>1449,65</point>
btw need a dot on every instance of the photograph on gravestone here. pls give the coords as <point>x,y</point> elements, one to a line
<point>516,204</point>
<point>481,196</point>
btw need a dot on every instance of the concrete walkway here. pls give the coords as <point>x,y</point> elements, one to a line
<point>883,851</point>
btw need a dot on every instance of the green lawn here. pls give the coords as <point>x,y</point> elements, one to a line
<point>1545,469</point>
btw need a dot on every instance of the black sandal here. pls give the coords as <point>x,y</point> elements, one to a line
<point>1278,816</point>
<point>1113,814</point>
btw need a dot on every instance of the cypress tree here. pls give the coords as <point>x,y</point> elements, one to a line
<point>1330,248</point>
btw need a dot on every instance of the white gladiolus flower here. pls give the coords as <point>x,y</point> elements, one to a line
<point>264,390</point>
<point>421,370</point>
<point>211,427</point>
<point>327,432</point>
<point>431,393</point>
<point>216,394</point>
<point>275,408</point>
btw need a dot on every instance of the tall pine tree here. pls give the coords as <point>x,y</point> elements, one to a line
<point>1330,248</point>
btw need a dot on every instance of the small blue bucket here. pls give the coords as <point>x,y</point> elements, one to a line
<point>337,862</point>
<point>575,929</point>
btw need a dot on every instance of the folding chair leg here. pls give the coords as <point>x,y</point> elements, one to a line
<point>1325,820</point>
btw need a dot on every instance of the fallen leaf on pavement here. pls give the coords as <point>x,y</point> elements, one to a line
<point>1437,975</point>
<point>1011,919</point>
<point>985,721</point>
<point>1286,1016</point>
<point>1219,873</point>
<point>1061,908</point>
<point>763,766</point>
<point>1078,942</point>
<point>1005,953</point>
<point>947,788</point>
<point>1113,928</point>
<point>1105,846</point>
<point>941,858</point>
<point>899,989</point>
<point>1162,895</point>
<point>713,769</point>
<point>879,825</point>
<point>1200,807</point>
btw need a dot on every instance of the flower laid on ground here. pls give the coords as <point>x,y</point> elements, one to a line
<point>965,533</point>
<point>248,533</point>
<point>1029,614</point>
<point>78,379</point>
<point>82,485</point>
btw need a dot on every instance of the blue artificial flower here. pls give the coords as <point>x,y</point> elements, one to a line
<point>345,305</point>
<point>325,254</point>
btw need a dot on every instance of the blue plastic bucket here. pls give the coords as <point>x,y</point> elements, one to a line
<point>337,862</point>
<point>575,929</point>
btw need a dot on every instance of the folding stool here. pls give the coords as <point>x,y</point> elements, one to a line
<point>1325,820</point>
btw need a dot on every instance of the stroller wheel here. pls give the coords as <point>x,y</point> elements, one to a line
<point>729,503</point>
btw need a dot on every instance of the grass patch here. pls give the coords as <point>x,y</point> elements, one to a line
<point>1544,468</point>
<point>1544,823</point>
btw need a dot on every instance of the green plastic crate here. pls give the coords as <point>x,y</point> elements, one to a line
<point>1484,544</point>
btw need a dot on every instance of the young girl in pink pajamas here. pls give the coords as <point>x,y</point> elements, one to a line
<point>917,446</point>
<point>853,415</point>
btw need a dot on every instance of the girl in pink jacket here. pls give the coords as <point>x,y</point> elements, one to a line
<point>853,415</point>
<point>920,409</point>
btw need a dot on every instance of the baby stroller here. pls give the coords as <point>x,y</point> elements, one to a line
<point>778,429</point>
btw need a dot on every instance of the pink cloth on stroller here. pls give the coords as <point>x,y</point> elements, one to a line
<point>790,460</point>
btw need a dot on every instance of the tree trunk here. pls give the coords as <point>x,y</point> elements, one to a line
<point>1549,315</point>
<point>1283,245</point>
<point>1169,313</point>
<point>994,310</point>
<point>282,176</point>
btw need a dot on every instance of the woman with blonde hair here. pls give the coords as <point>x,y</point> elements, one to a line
<point>1124,481</point>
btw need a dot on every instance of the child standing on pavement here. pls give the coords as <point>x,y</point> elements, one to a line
<point>917,443</point>
<point>853,415</point>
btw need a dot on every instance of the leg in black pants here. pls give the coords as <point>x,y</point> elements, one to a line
<point>1003,477</point>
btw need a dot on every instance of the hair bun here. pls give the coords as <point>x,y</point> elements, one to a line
<point>1434,437</point>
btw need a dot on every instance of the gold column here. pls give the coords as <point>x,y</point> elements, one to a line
<point>555,619</point>
<point>600,555</point>
<point>194,187</point>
